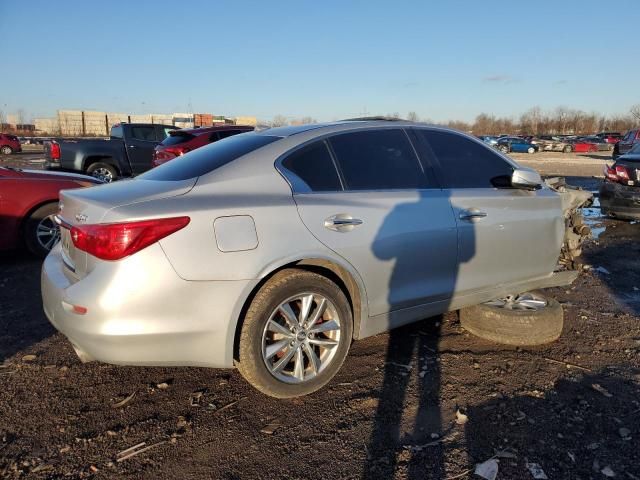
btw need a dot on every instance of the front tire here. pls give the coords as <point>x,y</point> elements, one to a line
<point>295,335</point>
<point>531,150</point>
<point>6,150</point>
<point>103,171</point>
<point>41,233</point>
<point>503,148</point>
<point>567,149</point>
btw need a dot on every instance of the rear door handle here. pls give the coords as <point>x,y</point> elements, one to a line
<point>472,215</point>
<point>342,222</point>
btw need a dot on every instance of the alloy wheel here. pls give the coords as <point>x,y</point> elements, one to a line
<point>47,233</point>
<point>301,337</point>
<point>524,301</point>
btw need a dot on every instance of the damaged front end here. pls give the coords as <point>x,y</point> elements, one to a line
<point>576,232</point>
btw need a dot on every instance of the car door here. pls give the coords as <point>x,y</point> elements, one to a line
<point>141,141</point>
<point>366,196</point>
<point>505,235</point>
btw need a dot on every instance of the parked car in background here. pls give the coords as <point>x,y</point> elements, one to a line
<point>610,137</point>
<point>127,153</point>
<point>28,202</point>
<point>620,191</point>
<point>626,143</point>
<point>516,144</point>
<point>489,139</point>
<point>182,141</point>
<point>579,146</point>
<point>599,142</point>
<point>254,252</point>
<point>9,144</point>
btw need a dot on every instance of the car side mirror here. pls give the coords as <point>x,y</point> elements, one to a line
<point>526,179</point>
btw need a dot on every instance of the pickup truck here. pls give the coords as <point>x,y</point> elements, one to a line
<point>126,153</point>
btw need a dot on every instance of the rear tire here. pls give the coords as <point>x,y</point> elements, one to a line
<point>567,149</point>
<point>103,171</point>
<point>531,150</point>
<point>515,327</point>
<point>6,150</point>
<point>40,232</point>
<point>503,148</point>
<point>265,327</point>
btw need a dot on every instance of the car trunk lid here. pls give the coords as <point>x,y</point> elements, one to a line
<point>90,205</point>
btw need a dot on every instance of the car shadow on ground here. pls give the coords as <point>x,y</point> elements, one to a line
<point>22,321</point>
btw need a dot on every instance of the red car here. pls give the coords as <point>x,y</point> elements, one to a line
<point>180,142</point>
<point>9,144</point>
<point>610,137</point>
<point>28,202</point>
<point>580,146</point>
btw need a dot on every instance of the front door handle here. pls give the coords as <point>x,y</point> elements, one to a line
<point>342,222</point>
<point>472,215</point>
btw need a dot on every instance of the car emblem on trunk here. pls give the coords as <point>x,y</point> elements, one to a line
<point>81,218</point>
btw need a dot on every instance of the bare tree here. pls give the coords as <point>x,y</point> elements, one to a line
<point>413,117</point>
<point>279,121</point>
<point>3,120</point>
<point>635,110</point>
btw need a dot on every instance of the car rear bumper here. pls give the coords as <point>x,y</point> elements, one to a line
<point>139,312</point>
<point>620,201</point>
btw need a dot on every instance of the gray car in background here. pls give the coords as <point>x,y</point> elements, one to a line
<point>271,251</point>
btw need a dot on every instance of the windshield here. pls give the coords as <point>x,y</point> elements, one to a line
<point>208,158</point>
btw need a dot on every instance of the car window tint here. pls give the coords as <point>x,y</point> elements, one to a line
<point>378,160</point>
<point>465,163</point>
<point>214,137</point>
<point>116,131</point>
<point>313,166</point>
<point>206,159</point>
<point>177,138</point>
<point>143,133</point>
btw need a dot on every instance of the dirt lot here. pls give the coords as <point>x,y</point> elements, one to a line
<point>572,407</point>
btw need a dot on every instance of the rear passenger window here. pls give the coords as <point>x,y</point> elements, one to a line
<point>144,133</point>
<point>465,163</point>
<point>378,160</point>
<point>313,166</point>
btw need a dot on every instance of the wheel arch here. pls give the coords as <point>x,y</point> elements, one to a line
<point>25,218</point>
<point>342,275</point>
<point>108,159</point>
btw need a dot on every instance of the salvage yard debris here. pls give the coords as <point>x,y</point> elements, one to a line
<point>136,450</point>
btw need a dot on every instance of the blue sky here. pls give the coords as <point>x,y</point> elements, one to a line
<point>326,59</point>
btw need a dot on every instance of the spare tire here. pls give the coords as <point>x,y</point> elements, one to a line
<point>526,319</point>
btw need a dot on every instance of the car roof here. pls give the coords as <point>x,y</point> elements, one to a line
<point>340,125</point>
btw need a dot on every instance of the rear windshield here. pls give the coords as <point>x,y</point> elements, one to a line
<point>208,158</point>
<point>177,138</point>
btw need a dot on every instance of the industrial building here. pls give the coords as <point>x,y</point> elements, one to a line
<point>93,123</point>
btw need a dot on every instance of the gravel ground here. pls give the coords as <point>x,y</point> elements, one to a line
<point>572,407</point>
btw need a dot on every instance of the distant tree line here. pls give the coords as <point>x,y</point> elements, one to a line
<point>535,121</point>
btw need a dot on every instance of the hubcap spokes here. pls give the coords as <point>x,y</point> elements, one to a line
<point>300,338</point>
<point>47,233</point>
<point>524,301</point>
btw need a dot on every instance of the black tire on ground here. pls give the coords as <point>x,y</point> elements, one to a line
<point>6,150</point>
<point>282,286</point>
<point>514,327</point>
<point>103,171</point>
<point>31,229</point>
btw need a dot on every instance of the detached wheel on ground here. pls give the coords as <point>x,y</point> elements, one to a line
<point>525,319</point>
<point>41,233</point>
<point>103,171</point>
<point>6,150</point>
<point>295,335</point>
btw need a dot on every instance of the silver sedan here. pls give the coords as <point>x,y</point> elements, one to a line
<point>272,251</point>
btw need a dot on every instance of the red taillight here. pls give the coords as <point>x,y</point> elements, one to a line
<point>622,173</point>
<point>114,241</point>
<point>177,151</point>
<point>610,173</point>
<point>55,151</point>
